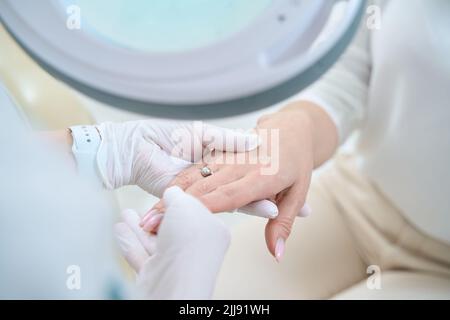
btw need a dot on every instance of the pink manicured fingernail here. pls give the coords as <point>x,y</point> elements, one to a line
<point>305,212</point>
<point>279,249</point>
<point>147,216</point>
<point>153,222</point>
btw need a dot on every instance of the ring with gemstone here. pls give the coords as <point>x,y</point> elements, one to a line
<point>206,172</point>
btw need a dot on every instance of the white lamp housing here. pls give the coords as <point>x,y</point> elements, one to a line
<point>267,61</point>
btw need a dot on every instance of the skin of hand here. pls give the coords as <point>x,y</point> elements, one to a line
<point>307,138</point>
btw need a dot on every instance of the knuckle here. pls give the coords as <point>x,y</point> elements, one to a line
<point>285,224</point>
<point>184,180</point>
<point>235,174</point>
<point>204,187</point>
<point>224,190</point>
<point>229,194</point>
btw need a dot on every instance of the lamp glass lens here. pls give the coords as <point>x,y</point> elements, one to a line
<point>166,25</point>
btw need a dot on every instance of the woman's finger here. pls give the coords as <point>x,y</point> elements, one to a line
<point>263,208</point>
<point>237,194</point>
<point>305,212</point>
<point>279,229</point>
<point>153,222</point>
<point>221,177</point>
<point>190,176</point>
<point>185,179</point>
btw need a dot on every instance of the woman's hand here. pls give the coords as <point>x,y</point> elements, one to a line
<point>151,153</point>
<point>279,170</point>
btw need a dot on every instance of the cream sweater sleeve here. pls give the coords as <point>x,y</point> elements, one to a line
<point>343,90</point>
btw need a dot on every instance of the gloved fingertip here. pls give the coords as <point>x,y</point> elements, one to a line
<point>305,212</point>
<point>270,209</point>
<point>272,215</point>
<point>252,142</point>
<point>263,209</point>
<point>171,194</point>
<point>244,142</point>
<point>179,163</point>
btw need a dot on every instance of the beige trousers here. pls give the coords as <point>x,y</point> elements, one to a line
<point>356,245</point>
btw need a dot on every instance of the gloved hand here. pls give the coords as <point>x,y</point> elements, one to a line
<point>150,153</point>
<point>183,260</point>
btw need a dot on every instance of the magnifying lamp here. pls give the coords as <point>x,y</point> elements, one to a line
<point>185,59</point>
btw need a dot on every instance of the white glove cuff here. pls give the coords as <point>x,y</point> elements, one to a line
<point>86,141</point>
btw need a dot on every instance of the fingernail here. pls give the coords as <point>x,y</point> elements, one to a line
<point>305,212</point>
<point>147,216</point>
<point>279,249</point>
<point>153,222</point>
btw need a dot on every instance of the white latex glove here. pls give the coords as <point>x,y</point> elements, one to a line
<point>183,260</point>
<point>150,153</point>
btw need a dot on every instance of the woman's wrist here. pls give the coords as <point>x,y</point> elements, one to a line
<point>312,119</point>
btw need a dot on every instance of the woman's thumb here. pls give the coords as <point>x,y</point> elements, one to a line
<point>279,229</point>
